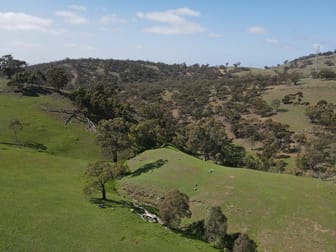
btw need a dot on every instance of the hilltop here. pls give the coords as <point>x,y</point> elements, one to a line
<point>306,65</point>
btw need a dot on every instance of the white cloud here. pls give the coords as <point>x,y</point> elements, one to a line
<point>112,19</point>
<point>214,35</point>
<point>22,44</point>
<point>6,49</point>
<point>78,46</point>
<point>72,17</point>
<point>17,21</point>
<point>76,7</point>
<point>256,30</point>
<point>173,21</point>
<point>185,12</point>
<point>272,41</point>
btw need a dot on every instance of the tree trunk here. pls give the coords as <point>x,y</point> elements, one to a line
<point>115,156</point>
<point>205,156</point>
<point>103,192</point>
<point>15,137</point>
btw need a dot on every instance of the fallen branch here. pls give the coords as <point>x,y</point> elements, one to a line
<point>73,114</point>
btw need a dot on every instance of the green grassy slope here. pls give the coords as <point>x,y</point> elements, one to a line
<point>47,129</point>
<point>279,211</point>
<point>43,208</point>
<point>294,115</point>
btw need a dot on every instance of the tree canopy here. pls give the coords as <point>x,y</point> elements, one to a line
<point>57,77</point>
<point>215,225</point>
<point>99,173</point>
<point>112,136</point>
<point>9,66</point>
<point>174,207</point>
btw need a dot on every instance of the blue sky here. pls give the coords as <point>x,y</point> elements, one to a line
<point>255,33</point>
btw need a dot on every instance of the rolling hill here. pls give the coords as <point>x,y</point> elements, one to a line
<point>307,64</point>
<point>277,210</point>
<point>44,207</point>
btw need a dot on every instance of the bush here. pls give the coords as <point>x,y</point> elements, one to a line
<point>329,63</point>
<point>215,226</point>
<point>244,244</point>
<point>326,74</point>
<point>174,207</point>
<point>196,230</point>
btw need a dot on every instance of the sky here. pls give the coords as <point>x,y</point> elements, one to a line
<point>253,32</point>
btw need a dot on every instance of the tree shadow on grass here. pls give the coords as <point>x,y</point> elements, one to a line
<point>37,146</point>
<point>183,232</point>
<point>112,203</point>
<point>149,167</point>
<point>33,91</point>
<point>229,238</point>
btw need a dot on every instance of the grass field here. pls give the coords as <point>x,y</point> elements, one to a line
<point>294,115</point>
<point>43,208</point>
<point>277,210</point>
<point>47,129</point>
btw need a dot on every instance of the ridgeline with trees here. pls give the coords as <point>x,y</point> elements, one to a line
<point>203,110</point>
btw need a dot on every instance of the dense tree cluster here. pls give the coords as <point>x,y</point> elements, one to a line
<point>213,229</point>
<point>319,156</point>
<point>323,113</point>
<point>57,77</point>
<point>92,70</point>
<point>210,140</point>
<point>99,102</point>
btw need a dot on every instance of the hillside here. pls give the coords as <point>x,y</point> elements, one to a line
<point>43,204</point>
<point>45,207</point>
<point>240,99</point>
<point>86,72</point>
<point>305,65</point>
<point>224,114</point>
<point>277,210</point>
<point>294,115</point>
